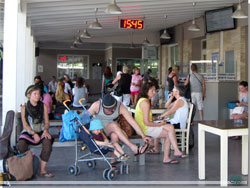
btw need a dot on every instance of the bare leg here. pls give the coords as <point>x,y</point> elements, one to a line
<point>239,116</point>
<point>114,128</point>
<point>132,100</point>
<point>201,114</point>
<point>156,144</point>
<point>166,146</point>
<point>171,133</point>
<point>136,98</point>
<point>118,147</point>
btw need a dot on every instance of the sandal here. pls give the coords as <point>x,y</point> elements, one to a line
<point>181,156</point>
<point>122,158</point>
<point>173,161</point>
<point>142,149</point>
<point>152,151</point>
<point>46,175</point>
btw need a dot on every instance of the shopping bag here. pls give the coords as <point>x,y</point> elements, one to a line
<point>70,126</point>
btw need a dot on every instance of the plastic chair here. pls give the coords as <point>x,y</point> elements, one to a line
<point>6,136</point>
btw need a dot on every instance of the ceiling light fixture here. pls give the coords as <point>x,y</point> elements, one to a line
<point>239,13</point>
<point>95,24</point>
<point>77,41</point>
<point>85,34</point>
<point>193,26</point>
<point>146,41</point>
<point>165,34</point>
<point>113,8</point>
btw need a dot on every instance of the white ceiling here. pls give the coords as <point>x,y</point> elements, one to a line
<point>59,20</point>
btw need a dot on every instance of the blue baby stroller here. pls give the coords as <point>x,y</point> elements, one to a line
<point>95,152</point>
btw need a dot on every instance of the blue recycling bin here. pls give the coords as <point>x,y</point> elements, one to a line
<point>231,106</point>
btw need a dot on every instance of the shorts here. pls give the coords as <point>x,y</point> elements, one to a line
<point>197,100</point>
<point>154,132</point>
<point>134,93</point>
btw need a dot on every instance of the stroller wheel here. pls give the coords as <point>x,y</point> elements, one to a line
<point>78,170</point>
<point>72,170</point>
<point>127,169</point>
<point>121,168</point>
<point>91,164</point>
<point>111,174</point>
<point>105,173</point>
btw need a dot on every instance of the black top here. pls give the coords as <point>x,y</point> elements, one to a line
<point>170,83</point>
<point>125,82</point>
<point>226,124</point>
<point>60,108</point>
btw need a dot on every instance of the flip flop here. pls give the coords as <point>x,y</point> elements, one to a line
<point>181,156</point>
<point>46,175</point>
<point>142,149</point>
<point>152,151</point>
<point>173,161</point>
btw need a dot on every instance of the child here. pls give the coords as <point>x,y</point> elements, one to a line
<point>101,140</point>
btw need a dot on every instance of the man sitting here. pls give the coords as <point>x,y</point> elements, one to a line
<point>107,110</point>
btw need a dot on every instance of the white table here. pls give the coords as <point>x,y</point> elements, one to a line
<point>154,110</point>
<point>224,129</point>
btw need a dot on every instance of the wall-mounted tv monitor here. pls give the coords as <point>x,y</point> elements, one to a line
<point>219,19</point>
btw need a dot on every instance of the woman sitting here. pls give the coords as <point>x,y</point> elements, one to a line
<point>243,101</point>
<point>61,96</point>
<point>35,121</point>
<point>79,92</point>
<point>143,117</point>
<point>179,108</point>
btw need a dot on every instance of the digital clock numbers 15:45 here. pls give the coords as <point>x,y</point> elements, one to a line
<point>131,24</point>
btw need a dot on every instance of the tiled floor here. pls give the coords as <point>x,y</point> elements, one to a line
<point>154,170</point>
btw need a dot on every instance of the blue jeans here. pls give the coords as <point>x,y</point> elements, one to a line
<point>166,95</point>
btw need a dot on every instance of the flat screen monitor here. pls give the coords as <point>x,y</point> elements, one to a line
<point>219,19</point>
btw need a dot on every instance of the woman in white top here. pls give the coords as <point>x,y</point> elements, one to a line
<point>179,108</point>
<point>79,92</point>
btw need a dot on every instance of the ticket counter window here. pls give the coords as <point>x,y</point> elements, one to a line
<point>143,65</point>
<point>73,65</point>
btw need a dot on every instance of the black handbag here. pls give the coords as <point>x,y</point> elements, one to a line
<point>118,91</point>
<point>188,90</point>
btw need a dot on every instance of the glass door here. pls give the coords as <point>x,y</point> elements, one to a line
<point>73,65</point>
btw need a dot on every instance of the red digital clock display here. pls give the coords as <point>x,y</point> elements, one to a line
<point>131,24</point>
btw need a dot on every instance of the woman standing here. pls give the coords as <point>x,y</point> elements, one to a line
<point>135,85</point>
<point>143,117</point>
<point>35,121</point>
<point>106,78</point>
<point>172,79</point>
<point>79,92</point>
<point>124,81</point>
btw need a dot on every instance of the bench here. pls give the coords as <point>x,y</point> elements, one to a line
<point>58,123</point>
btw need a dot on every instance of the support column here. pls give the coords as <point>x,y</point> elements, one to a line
<point>10,57</point>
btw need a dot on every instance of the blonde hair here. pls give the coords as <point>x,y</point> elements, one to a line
<point>60,96</point>
<point>125,69</point>
<point>176,68</point>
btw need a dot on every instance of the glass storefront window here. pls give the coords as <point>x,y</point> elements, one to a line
<point>73,65</point>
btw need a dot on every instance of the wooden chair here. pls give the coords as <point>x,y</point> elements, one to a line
<point>183,134</point>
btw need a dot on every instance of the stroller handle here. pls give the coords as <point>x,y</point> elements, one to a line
<point>64,103</point>
<point>80,100</point>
